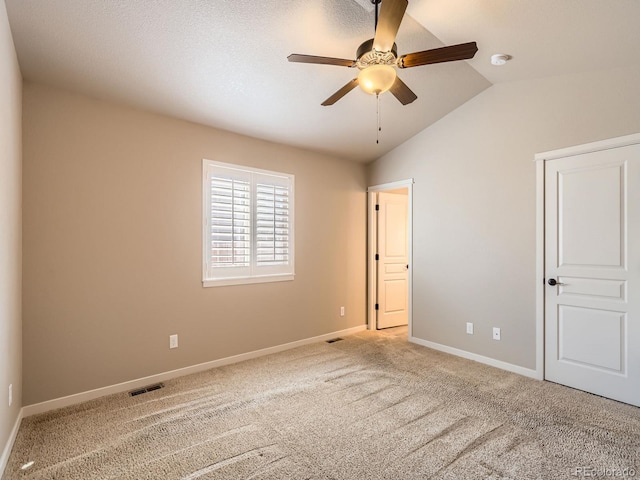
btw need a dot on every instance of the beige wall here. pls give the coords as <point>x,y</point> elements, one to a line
<point>474,202</point>
<point>112,246</point>
<point>10,231</point>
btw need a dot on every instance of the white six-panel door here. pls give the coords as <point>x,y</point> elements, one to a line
<point>592,253</point>
<point>393,275</point>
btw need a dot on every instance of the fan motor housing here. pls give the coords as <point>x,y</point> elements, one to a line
<point>366,55</point>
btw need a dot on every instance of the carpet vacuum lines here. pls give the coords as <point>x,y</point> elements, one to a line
<point>370,407</point>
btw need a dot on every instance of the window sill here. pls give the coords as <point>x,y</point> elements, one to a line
<point>247,280</point>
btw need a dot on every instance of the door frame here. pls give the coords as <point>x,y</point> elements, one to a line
<point>540,158</point>
<point>372,224</point>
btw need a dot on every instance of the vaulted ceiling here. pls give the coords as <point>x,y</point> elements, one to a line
<point>224,63</point>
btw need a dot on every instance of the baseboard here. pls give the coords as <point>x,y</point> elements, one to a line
<point>510,367</point>
<point>141,382</point>
<point>10,441</point>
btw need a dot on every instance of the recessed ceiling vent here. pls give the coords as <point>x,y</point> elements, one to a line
<point>150,388</point>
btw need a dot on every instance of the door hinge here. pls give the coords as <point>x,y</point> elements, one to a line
<point>377,207</point>
<point>377,257</point>
<point>377,306</point>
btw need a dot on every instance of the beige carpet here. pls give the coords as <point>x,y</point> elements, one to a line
<point>372,406</point>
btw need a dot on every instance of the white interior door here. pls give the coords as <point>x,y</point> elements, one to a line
<point>393,259</point>
<point>592,254</point>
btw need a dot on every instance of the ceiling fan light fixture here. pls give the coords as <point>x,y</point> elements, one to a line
<point>377,79</point>
<point>377,58</point>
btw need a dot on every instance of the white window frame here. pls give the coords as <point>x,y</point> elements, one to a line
<point>253,273</point>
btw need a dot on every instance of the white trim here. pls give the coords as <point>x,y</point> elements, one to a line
<point>205,265</point>
<point>371,240</point>
<point>246,280</point>
<point>391,186</point>
<point>372,271</point>
<point>540,158</point>
<point>247,169</point>
<point>540,269</point>
<point>140,382</point>
<point>510,367</point>
<point>589,147</point>
<point>10,441</point>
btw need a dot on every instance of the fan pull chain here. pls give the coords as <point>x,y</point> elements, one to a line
<point>378,127</point>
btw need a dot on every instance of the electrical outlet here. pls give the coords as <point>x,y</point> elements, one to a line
<point>496,333</point>
<point>342,311</point>
<point>470,328</point>
<point>173,341</point>
<point>10,394</point>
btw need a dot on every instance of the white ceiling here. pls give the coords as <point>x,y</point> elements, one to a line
<point>223,63</point>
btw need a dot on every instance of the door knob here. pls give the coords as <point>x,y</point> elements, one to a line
<point>553,282</point>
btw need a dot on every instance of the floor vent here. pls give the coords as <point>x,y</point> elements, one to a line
<point>142,390</point>
<point>334,340</point>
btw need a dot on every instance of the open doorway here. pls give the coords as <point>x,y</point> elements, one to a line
<point>390,254</point>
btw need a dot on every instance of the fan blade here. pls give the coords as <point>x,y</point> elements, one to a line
<point>341,62</point>
<point>391,13</point>
<point>341,93</point>
<point>462,51</point>
<point>403,93</point>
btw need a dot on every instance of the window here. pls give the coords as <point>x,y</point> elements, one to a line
<point>248,225</point>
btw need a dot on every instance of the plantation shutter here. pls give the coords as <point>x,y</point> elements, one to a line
<point>273,222</point>
<point>230,222</point>
<point>248,228</point>
<point>229,218</point>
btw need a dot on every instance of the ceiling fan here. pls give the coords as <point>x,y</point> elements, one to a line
<point>377,57</point>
